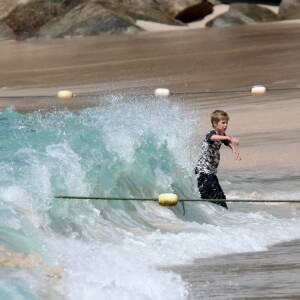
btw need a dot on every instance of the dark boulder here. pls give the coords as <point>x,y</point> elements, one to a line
<point>167,7</point>
<point>59,18</point>
<point>87,19</point>
<point>26,19</point>
<point>6,7</point>
<point>140,12</point>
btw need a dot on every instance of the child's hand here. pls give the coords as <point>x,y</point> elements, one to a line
<point>234,140</point>
<point>236,154</point>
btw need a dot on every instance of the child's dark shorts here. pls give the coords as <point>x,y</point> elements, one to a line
<point>209,188</point>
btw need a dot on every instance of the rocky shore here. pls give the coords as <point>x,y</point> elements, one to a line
<point>39,19</point>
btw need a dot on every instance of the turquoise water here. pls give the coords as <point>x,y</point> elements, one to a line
<point>125,147</point>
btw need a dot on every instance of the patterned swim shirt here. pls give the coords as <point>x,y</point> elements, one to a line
<point>210,154</point>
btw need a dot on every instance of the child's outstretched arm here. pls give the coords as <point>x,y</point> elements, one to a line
<point>225,138</point>
<point>235,152</point>
<point>233,141</point>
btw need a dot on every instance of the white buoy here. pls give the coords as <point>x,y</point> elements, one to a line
<point>258,90</point>
<point>65,95</point>
<point>161,92</point>
<point>168,199</point>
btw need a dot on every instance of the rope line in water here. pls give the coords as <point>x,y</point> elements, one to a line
<point>179,200</point>
<point>171,93</point>
<point>231,91</point>
<point>172,200</point>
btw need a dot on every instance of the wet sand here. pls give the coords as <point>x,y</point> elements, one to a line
<point>271,274</point>
<point>184,61</point>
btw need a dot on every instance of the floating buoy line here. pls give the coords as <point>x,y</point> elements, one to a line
<point>257,90</point>
<point>169,199</point>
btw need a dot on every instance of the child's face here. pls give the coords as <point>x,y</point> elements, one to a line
<point>221,126</point>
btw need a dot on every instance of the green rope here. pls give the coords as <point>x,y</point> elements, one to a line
<point>104,198</point>
<point>179,200</point>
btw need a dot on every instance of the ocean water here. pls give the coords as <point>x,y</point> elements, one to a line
<point>127,146</point>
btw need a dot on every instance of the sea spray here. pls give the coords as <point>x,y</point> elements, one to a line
<point>124,148</point>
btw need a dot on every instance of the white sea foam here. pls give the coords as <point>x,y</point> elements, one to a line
<point>130,267</point>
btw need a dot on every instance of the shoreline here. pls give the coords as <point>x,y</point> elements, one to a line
<point>245,275</point>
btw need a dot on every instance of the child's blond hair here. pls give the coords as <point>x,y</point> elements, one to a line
<point>218,115</point>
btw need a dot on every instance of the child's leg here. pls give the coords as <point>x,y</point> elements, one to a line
<point>218,192</point>
<point>209,188</point>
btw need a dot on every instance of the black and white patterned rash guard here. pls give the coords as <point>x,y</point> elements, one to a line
<point>210,154</point>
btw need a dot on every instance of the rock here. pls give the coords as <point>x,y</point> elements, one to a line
<point>289,10</point>
<point>27,18</point>
<point>141,13</point>
<point>168,7</point>
<point>6,7</point>
<point>239,14</point>
<point>60,18</point>
<point>6,33</point>
<point>195,12</point>
<point>87,19</point>
<point>175,7</point>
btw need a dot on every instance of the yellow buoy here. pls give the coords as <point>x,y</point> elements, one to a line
<point>65,95</point>
<point>168,199</point>
<point>258,90</point>
<point>162,92</point>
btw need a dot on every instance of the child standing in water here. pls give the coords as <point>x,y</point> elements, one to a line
<point>206,169</point>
